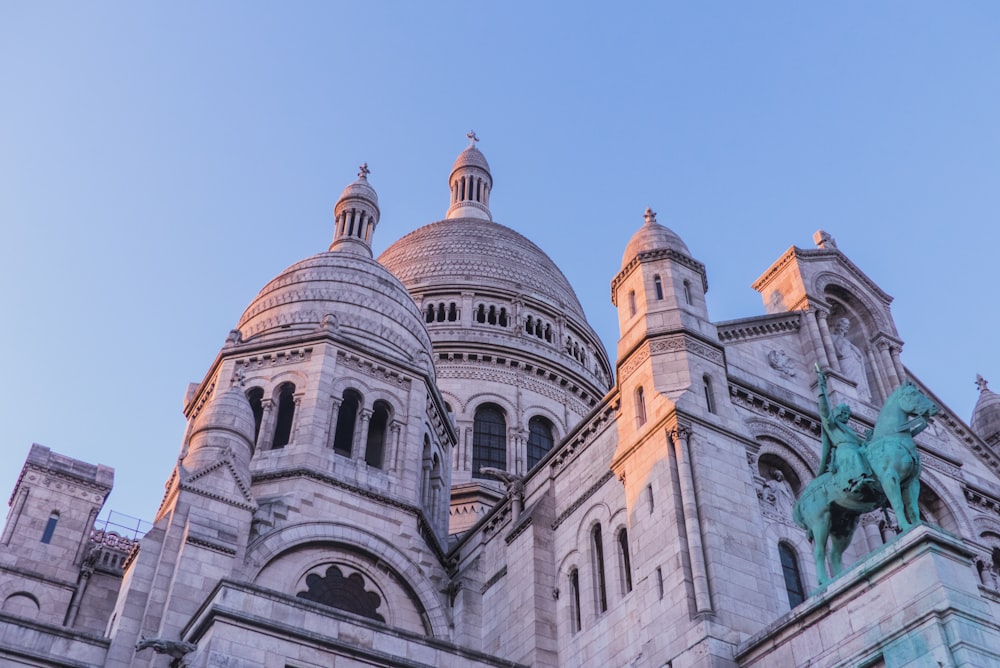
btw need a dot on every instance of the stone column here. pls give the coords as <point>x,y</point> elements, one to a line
<point>334,414</point>
<point>881,379</point>
<point>390,457</point>
<point>296,418</point>
<point>816,341</point>
<point>886,363</point>
<point>822,316</point>
<point>516,451</point>
<point>266,432</point>
<point>681,437</point>
<point>897,364</point>
<point>361,434</point>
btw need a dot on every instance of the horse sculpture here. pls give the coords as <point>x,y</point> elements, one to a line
<point>860,476</point>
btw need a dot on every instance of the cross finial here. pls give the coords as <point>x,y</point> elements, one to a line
<point>363,170</point>
<point>649,216</point>
<point>471,134</point>
<point>982,383</point>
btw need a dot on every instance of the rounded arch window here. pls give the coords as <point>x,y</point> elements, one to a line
<point>378,427</point>
<point>489,439</point>
<point>347,417</point>
<point>255,395</point>
<point>540,439</point>
<point>286,414</point>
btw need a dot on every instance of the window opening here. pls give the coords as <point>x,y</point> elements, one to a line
<point>640,407</point>
<point>574,600</point>
<point>539,439</point>
<point>255,395</point>
<point>347,417</point>
<point>286,413</point>
<point>489,439</point>
<point>687,293</point>
<point>377,428</point>
<point>631,303</point>
<point>709,395</point>
<point>50,527</point>
<point>658,285</point>
<point>600,585</point>
<point>790,569</point>
<point>626,562</point>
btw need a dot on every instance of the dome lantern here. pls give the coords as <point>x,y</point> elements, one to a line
<point>986,415</point>
<point>356,215</point>
<point>470,183</point>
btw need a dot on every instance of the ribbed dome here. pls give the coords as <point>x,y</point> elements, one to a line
<point>479,254</point>
<point>653,236</point>
<point>348,294</point>
<point>470,157</point>
<point>986,414</point>
<point>360,188</point>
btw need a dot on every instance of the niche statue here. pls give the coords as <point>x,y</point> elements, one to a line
<point>859,475</point>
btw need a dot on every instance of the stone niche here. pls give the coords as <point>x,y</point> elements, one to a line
<point>914,602</point>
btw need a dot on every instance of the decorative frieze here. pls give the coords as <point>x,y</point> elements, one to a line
<point>747,329</point>
<point>268,360</point>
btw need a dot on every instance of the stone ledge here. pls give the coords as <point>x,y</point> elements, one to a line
<point>919,592</point>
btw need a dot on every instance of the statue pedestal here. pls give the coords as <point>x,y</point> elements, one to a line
<point>913,602</point>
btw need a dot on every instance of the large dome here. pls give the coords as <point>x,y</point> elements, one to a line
<point>479,253</point>
<point>350,295</point>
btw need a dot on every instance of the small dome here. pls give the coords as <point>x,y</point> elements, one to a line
<point>347,294</point>
<point>360,189</point>
<point>651,237</point>
<point>228,411</point>
<point>986,415</point>
<point>470,157</point>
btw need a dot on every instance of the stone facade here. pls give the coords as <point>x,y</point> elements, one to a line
<point>428,460</point>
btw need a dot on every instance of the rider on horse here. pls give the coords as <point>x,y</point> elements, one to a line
<point>842,447</point>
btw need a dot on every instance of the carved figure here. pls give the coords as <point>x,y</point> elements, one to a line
<point>781,362</point>
<point>858,476</point>
<point>852,360</point>
<point>176,649</point>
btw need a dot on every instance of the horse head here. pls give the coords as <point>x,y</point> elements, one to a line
<point>914,402</point>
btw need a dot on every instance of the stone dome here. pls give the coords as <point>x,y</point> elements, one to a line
<point>470,157</point>
<point>227,411</point>
<point>346,294</point>
<point>653,236</point>
<point>479,253</point>
<point>986,415</point>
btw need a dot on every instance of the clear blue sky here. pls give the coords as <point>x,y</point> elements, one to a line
<point>159,163</point>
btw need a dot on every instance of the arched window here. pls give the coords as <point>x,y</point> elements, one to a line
<point>347,417</point>
<point>489,439</point>
<point>539,439</point>
<point>790,569</point>
<point>255,395</point>
<point>631,303</point>
<point>574,600</point>
<point>709,395</point>
<point>640,407</point>
<point>624,561</point>
<point>50,527</point>
<point>377,428</point>
<point>452,312</point>
<point>600,583</point>
<point>430,313</point>
<point>658,285</point>
<point>286,413</point>
<point>687,293</point>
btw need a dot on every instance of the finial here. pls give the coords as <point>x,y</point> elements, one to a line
<point>649,216</point>
<point>471,134</point>
<point>982,383</point>
<point>824,239</point>
<point>363,171</point>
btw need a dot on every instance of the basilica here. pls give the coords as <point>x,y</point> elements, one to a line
<point>428,459</point>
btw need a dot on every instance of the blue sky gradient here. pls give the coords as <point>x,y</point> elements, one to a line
<point>159,163</point>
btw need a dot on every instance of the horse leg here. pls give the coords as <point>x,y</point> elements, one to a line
<point>821,531</point>
<point>910,492</point>
<point>839,544</point>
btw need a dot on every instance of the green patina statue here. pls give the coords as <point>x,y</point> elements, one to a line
<point>859,475</point>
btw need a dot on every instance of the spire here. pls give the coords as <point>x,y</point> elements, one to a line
<point>470,183</point>
<point>356,215</point>
<point>986,415</point>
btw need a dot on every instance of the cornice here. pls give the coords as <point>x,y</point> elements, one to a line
<point>746,329</point>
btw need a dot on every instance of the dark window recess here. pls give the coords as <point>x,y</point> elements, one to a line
<point>347,417</point>
<point>286,413</point>
<point>349,593</point>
